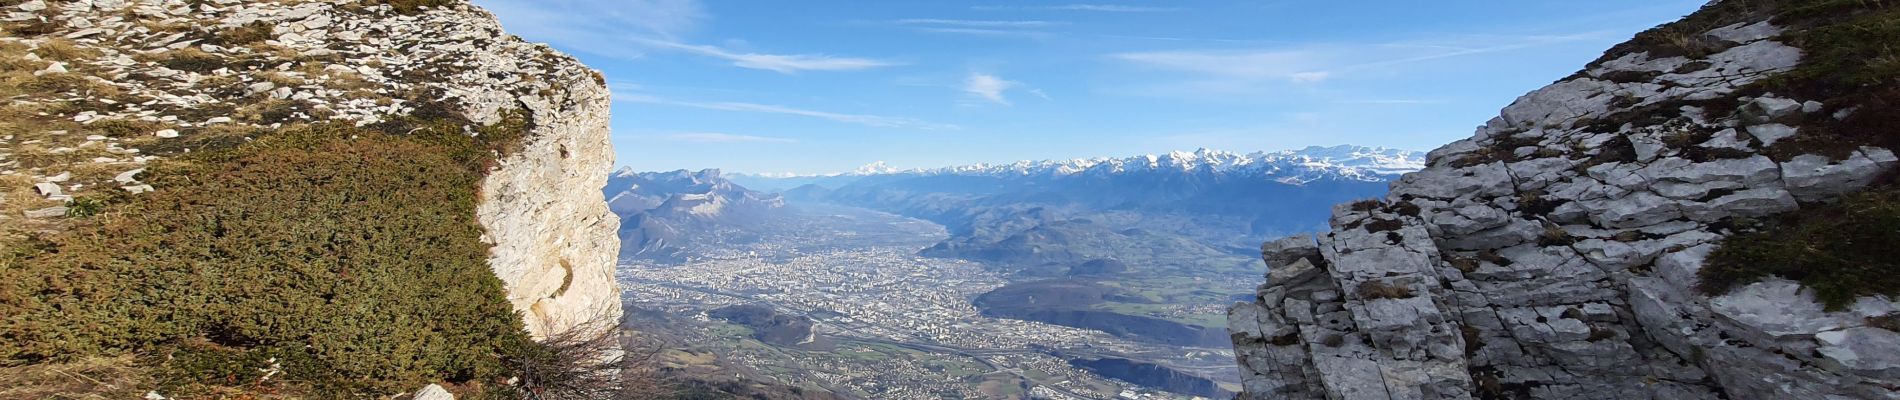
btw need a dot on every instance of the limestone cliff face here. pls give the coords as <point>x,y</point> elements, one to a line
<point>269,63</point>
<point>1554,253</point>
<point>555,240</point>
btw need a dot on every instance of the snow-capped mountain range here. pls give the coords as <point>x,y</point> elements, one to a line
<point>697,194</point>
<point>662,211</point>
<point>1220,194</point>
<point>1346,163</point>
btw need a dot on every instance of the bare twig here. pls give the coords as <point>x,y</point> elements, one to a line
<point>592,360</point>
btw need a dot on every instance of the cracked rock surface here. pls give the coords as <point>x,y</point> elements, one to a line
<point>1553,255</point>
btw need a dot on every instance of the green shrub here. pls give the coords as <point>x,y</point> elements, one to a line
<point>125,128</point>
<point>1841,251</point>
<point>350,256</point>
<point>1848,62</point>
<point>84,207</point>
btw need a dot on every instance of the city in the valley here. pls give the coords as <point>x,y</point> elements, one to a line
<point>886,322</point>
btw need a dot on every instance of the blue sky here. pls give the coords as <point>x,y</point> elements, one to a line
<point>822,86</point>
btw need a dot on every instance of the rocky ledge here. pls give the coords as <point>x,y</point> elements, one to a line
<point>1555,254</point>
<point>168,76</point>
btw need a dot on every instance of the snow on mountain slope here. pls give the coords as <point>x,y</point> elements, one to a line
<point>1296,167</point>
<point>660,211</point>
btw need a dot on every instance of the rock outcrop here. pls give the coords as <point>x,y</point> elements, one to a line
<point>179,71</point>
<point>1554,254</point>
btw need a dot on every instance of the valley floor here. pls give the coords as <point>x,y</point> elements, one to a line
<point>889,324</point>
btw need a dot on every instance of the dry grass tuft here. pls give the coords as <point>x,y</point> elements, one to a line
<point>351,81</point>
<point>1383,225</point>
<point>570,365</point>
<point>17,76</point>
<point>61,49</point>
<point>87,378</point>
<point>1367,205</point>
<point>1554,235</point>
<point>1600,334</point>
<point>281,79</point>
<point>17,196</point>
<point>1889,322</point>
<point>1464,264</point>
<point>254,32</point>
<point>1381,290</point>
<point>186,59</point>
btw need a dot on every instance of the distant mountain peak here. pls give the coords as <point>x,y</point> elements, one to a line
<point>657,209</point>
<point>1343,162</point>
<point>1313,163</point>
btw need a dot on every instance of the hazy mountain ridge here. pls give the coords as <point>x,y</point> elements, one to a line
<point>660,209</point>
<point>1024,213</point>
<point>1288,166</point>
<point>1342,162</point>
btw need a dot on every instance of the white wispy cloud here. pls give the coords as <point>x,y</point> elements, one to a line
<point>1080,7</point>
<point>624,93</point>
<point>860,119</point>
<point>980,27</point>
<point>978,23</point>
<point>988,87</point>
<point>781,63</point>
<point>1478,44</point>
<point>1289,65</point>
<point>1111,8</point>
<point>1000,33</point>
<point>715,137</point>
<point>633,28</point>
<point>597,26</point>
<point>1393,101</point>
<point>1241,69</point>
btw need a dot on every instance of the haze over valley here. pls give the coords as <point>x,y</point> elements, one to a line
<point>1081,278</point>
